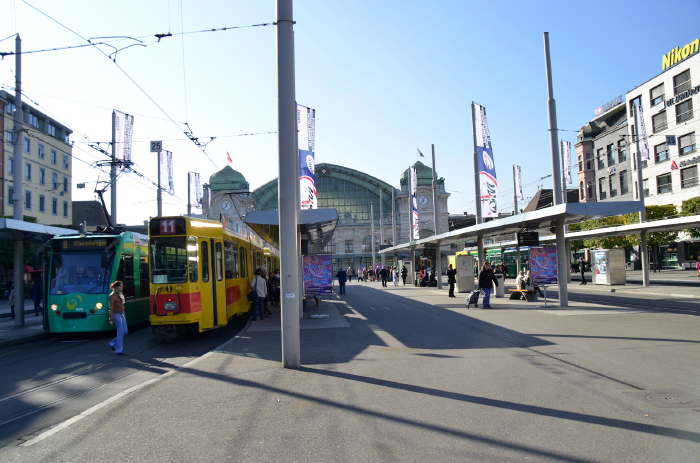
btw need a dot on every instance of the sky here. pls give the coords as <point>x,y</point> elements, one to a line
<point>386,78</point>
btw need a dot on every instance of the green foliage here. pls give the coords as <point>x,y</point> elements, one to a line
<point>664,211</point>
<point>691,207</point>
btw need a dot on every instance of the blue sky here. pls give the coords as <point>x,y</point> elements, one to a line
<point>386,77</point>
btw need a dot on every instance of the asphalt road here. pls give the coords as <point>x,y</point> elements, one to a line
<point>414,378</point>
<point>47,381</point>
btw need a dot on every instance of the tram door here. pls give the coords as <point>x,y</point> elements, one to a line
<point>213,285</point>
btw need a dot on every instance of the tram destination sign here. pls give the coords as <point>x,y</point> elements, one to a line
<point>83,244</point>
<point>173,226</point>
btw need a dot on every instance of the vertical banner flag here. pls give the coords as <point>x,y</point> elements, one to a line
<point>488,184</point>
<point>518,183</point>
<point>195,189</point>
<point>566,160</point>
<point>123,129</point>
<point>641,130</point>
<point>414,203</point>
<point>169,170</point>
<point>306,130</point>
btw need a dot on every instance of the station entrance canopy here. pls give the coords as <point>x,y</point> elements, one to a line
<point>315,225</point>
<point>545,218</point>
<point>19,229</point>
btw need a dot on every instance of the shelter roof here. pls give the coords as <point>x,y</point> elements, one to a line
<point>315,225</point>
<point>11,228</point>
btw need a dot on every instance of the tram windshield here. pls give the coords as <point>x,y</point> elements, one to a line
<point>80,272</point>
<point>169,259</point>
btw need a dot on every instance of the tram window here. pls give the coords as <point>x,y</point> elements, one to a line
<point>234,261</point>
<point>230,259</point>
<point>168,261</point>
<point>205,261</point>
<point>126,274</point>
<point>143,276</point>
<point>219,262</point>
<point>243,267</point>
<point>192,258</point>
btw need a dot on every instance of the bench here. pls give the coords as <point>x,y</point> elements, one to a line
<point>526,295</point>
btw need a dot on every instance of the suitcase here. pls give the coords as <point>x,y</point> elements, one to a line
<point>473,298</point>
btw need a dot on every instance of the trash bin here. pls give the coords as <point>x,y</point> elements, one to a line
<point>500,289</point>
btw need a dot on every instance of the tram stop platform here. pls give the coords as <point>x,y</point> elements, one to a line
<point>10,334</point>
<point>408,374</point>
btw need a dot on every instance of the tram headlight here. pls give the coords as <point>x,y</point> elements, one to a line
<point>54,307</point>
<point>98,306</point>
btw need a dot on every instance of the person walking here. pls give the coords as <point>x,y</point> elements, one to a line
<point>395,276</point>
<point>36,296</point>
<point>486,281</point>
<point>582,269</point>
<point>342,276</point>
<point>404,274</point>
<point>383,274</point>
<point>117,316</point>
<point>259,285</point>
<point>451,280</point>
<point>349,272</point>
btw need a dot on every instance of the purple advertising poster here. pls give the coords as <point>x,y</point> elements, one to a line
<point>318,274</point>
<point>543,265</point>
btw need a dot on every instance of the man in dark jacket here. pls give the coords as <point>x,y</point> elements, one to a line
<point>384,274</point>
<point>404,274</point>
<point>486,281</point>
<point>451,279</point>
<point>342,277</point>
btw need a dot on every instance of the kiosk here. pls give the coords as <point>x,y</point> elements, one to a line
<point>409,266</point>
<point>465,273</point>
<point>609,267</point>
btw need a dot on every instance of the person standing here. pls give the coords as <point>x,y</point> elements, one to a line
<point>486,281</point>
<point>404,274</point>
<point>342,276</point>
<point>117,316</point>
<point>36,296</point>
<point>383,274</point>
<point>349,272</point>
<point>451,280</point>
<point>582,269</point>
<point>259,285</point>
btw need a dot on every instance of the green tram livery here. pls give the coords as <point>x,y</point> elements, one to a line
<point>81,268</point>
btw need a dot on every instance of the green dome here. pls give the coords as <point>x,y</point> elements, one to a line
<point>229,180</point>
<point>424,175</point>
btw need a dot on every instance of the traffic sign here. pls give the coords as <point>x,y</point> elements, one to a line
<point>156,146</point>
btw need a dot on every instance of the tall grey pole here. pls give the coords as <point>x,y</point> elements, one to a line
<point>371,218</point>
<point>563,153</point>
<point>562,257</point>
<point>113,171</point>
<point>18,210</point>
<point>393,217</point>
<point>288,183</point>
<point>643,212</point>
<point>515,211</point>
<point>189,193</point>
<point>381,227</point>
<point>409,188</point>
<point>159,193</point>
<point>438,253</point>
<point>477,194</point>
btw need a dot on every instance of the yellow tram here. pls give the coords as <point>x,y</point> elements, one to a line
<point>201,273</point>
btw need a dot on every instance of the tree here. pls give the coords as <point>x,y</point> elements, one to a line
<point>604,222</point>
<point>691,207</point>
<point>663,211</point>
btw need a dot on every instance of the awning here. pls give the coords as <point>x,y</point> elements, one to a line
<point>15,229</point>
<point>315,225</point>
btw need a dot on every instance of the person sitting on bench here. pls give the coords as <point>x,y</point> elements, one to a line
<point>531,284</point>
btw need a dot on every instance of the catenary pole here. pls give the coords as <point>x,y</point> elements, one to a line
<point>288,183</point>
<point>393,217</point>
<point>159,193</point>
<point>189,192</point>
<point>516,211</point>
<point>643,212</point>
<point>381,227</point>
<point>477,195</point>
<point>562,258</point>
<point>371,218</point>
<point>113,171</point>
<point>18,209</point>
<point>438,253</point>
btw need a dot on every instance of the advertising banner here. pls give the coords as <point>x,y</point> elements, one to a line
<point>518,183</point>
<point>543,265</point>
<point>600,267</point>
<point>318,274</point>
<point>168,159</point>
<point>306,129</point>
<point>195,189</point>
<point>566,161</point>
<point>488,184</point>
<point>641,131</point>
<point>123,130</point>
<point>415,232</point>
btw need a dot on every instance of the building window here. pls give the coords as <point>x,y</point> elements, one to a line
<point>589,161</point>
<point>32,120</point>
<point>689,177</point>
<point>658,121</point>
<point>681,82</point>
<point>686,143</point>
<point>65,184</point>
<point>27,145</point>
<point>580,164</point>
<point>645,185</point>
<point>51,129</point>
<point>42,205</point>
<point>611,154</point>
<point>28,200</point>
<point>28,172</point>
<point>42,153</point>
<point>624,183</point>
<point>10,108</point>
<point>349,247</point>
<point>601,161</point>
<point>684,111</point>
<point>54,206</point>
<point>9,136</point>
<point>656,95</point>
<point>601,188</point>
<point>53,157</point>
<point>11,196</point>
<point>42,176</point>
<point>612,183</point>
<point>65,210</point>
<point>65,162</point>
<point>581,191</point>
<point>663,184</point>
<point>621,151</point>
<point>589,191</point>
<point>11,166</point>
<point>54,180</point>
<point>661,152</point>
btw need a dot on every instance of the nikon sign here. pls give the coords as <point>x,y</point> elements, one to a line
<point>678,54</point>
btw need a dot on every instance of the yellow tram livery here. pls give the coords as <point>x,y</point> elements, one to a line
<point>200,274</point>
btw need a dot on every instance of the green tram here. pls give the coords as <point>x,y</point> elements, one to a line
<point>502,255</point>
<point>81,268</point>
